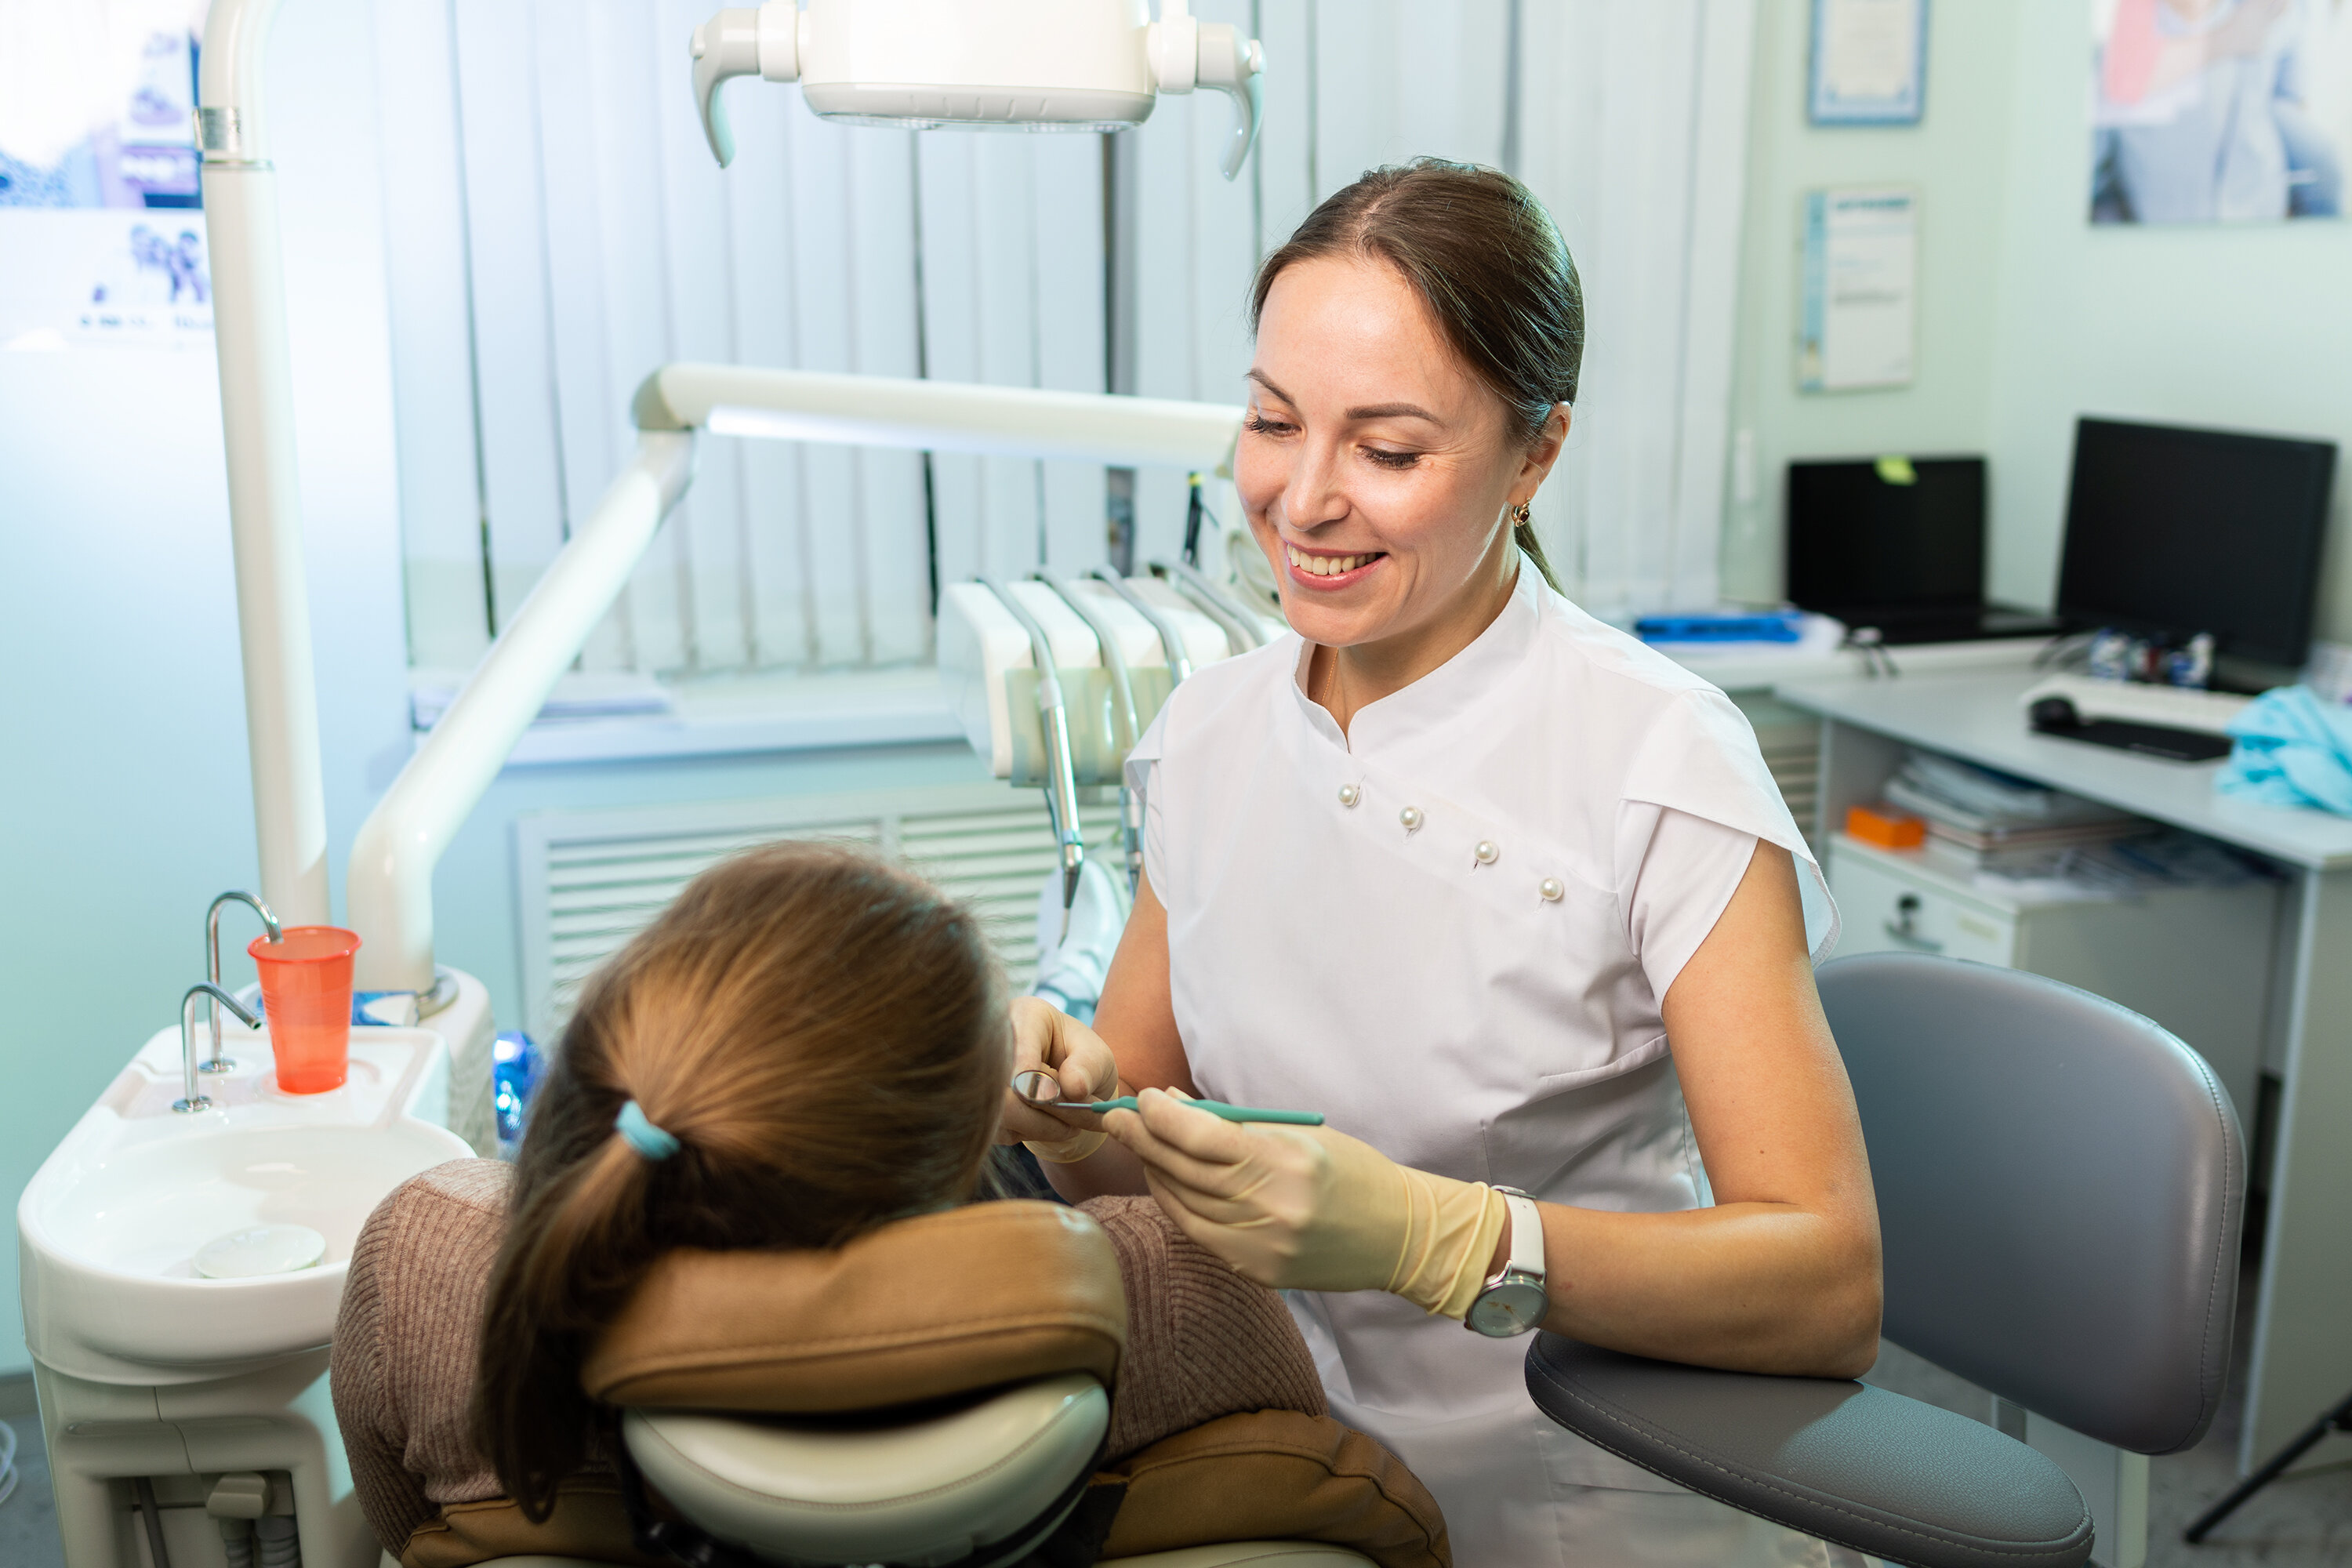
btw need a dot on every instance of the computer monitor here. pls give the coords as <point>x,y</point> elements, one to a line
<point>1867,536</point>
<point>2172,531</point>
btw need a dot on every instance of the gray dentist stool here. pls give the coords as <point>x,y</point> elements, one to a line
<point>2060,1188</point>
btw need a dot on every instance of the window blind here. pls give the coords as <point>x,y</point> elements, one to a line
<point>558,229</point>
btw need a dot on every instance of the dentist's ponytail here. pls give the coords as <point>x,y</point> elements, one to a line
<point>1486,259</point>
<point>726,1083</point>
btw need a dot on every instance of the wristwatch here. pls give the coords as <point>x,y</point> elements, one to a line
<point>1514,1299</point>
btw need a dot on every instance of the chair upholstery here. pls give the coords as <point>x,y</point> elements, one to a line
<point>920,1493</point>
<point>2060,1185</point>
<point>1832,1458</point>
<point>934,1393</point>
<point>926,1307</point>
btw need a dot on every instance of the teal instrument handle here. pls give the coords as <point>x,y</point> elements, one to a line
<point>1217,1108</point>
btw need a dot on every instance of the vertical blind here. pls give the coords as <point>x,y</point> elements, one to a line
<point>559,229</point>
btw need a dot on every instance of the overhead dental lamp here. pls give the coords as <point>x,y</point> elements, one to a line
<point>1001,65</point>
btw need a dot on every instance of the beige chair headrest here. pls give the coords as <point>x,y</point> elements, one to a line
<point>921,1309</point>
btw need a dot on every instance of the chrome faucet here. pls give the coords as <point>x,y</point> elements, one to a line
<point>191,1099</point>
<point>219,1063</point>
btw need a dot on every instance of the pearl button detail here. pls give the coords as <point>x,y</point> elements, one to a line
<point>1349,795</point>
<point>1411,817</point>
<point>1550,890</point>
<point>1486,854</point>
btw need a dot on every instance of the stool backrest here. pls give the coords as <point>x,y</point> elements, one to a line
<point>2061,1184</point>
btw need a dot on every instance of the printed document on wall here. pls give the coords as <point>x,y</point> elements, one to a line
<point>1858,322</point>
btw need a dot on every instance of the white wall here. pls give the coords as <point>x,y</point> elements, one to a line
<point>2245,325</point>
<point>1956,158</point>
<point>2028,316</point>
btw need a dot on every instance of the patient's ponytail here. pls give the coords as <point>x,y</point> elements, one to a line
<point>816,1043</point>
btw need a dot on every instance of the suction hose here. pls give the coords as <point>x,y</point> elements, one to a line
<point>281,1547</point>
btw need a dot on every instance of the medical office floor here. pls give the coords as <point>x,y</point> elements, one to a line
<point>2303,1522</point>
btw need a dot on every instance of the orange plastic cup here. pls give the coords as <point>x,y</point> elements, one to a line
<point>306,994</point>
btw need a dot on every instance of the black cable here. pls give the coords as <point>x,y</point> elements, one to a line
<point>2339,1419</point>
<point>143,1491</point>
<point>1194,512</point>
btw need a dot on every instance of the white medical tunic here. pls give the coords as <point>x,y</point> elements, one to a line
<point>1449,929</point>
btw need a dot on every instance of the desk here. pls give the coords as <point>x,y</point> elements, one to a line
<point>2302,1356</point>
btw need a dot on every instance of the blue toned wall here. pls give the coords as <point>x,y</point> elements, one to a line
<point>124,799</point>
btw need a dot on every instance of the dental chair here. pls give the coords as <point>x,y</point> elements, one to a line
<point>2060,1188</point>
<point>935,1394</point>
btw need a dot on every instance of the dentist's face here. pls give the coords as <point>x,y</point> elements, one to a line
<point>1373,466</point>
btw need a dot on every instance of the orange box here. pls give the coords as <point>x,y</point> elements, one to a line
<point>1885,827</point>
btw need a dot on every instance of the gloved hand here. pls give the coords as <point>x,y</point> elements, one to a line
<point>1308,1208</point>
<point>1045,1037</point>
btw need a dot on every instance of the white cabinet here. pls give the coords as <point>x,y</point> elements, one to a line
<point>2195,960</point>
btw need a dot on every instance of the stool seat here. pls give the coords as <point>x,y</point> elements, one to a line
<point>1834,1458</point>
<point>917,1492</point>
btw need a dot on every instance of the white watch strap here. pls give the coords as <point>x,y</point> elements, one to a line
<point>1526,1236</point>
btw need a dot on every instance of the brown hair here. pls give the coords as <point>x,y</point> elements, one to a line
<point>825,1037</point>
<point>1483,256</point>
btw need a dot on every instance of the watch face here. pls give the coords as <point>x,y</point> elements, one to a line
<point>1513,1307</point>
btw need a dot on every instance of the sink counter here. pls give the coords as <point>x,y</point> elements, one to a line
<point>111,1224</point>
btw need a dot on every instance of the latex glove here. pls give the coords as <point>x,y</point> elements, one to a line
<point>1308,1208</point>
<point>1046,1038</point>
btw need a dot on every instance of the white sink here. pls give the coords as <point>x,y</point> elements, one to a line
<point>111,1224</point>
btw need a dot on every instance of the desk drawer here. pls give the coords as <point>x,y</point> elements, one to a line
<point>1884,910</point>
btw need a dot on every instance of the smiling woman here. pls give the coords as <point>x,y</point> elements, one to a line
<point>1417,345</point>
<point>1509,897</point>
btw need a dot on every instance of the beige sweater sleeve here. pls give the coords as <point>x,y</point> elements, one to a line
<point>1201,1341</point>
<point>406,1342</point>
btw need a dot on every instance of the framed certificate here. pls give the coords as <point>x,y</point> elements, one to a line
<point>1869,62</point>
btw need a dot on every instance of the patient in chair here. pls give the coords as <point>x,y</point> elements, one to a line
<point>808,1044</point>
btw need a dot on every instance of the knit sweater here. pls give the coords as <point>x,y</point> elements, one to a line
<point>1201,1341</point>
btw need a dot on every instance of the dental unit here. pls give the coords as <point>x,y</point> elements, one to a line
<point>176,1307</point>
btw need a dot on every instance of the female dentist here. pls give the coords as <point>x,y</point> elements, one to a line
<point>1457,865</point>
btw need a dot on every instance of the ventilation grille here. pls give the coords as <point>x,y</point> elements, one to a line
<point>590,880</point>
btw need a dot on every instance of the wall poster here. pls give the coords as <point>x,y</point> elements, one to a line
<point>2219,111</point>
<point>100,239</point>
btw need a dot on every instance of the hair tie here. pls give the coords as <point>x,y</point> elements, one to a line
<point>643,1137</point>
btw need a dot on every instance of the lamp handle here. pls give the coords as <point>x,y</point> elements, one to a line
<point>740,41</point>
<point>1235,67</point>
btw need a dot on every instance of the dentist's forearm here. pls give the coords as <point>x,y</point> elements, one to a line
<point>1749,1286</point>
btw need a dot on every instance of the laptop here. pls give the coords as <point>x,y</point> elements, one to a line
<point>1898,543</point>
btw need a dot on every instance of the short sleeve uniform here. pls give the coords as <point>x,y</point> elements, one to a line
<point>1450,931</point>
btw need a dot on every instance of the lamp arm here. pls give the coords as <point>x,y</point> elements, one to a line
<point>249,333</point>
<point>390,885</point>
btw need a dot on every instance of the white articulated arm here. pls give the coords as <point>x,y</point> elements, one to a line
<point>937,416</point>
<point>390,880</point>
<point>273,608</point>
<point>390,890</point>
